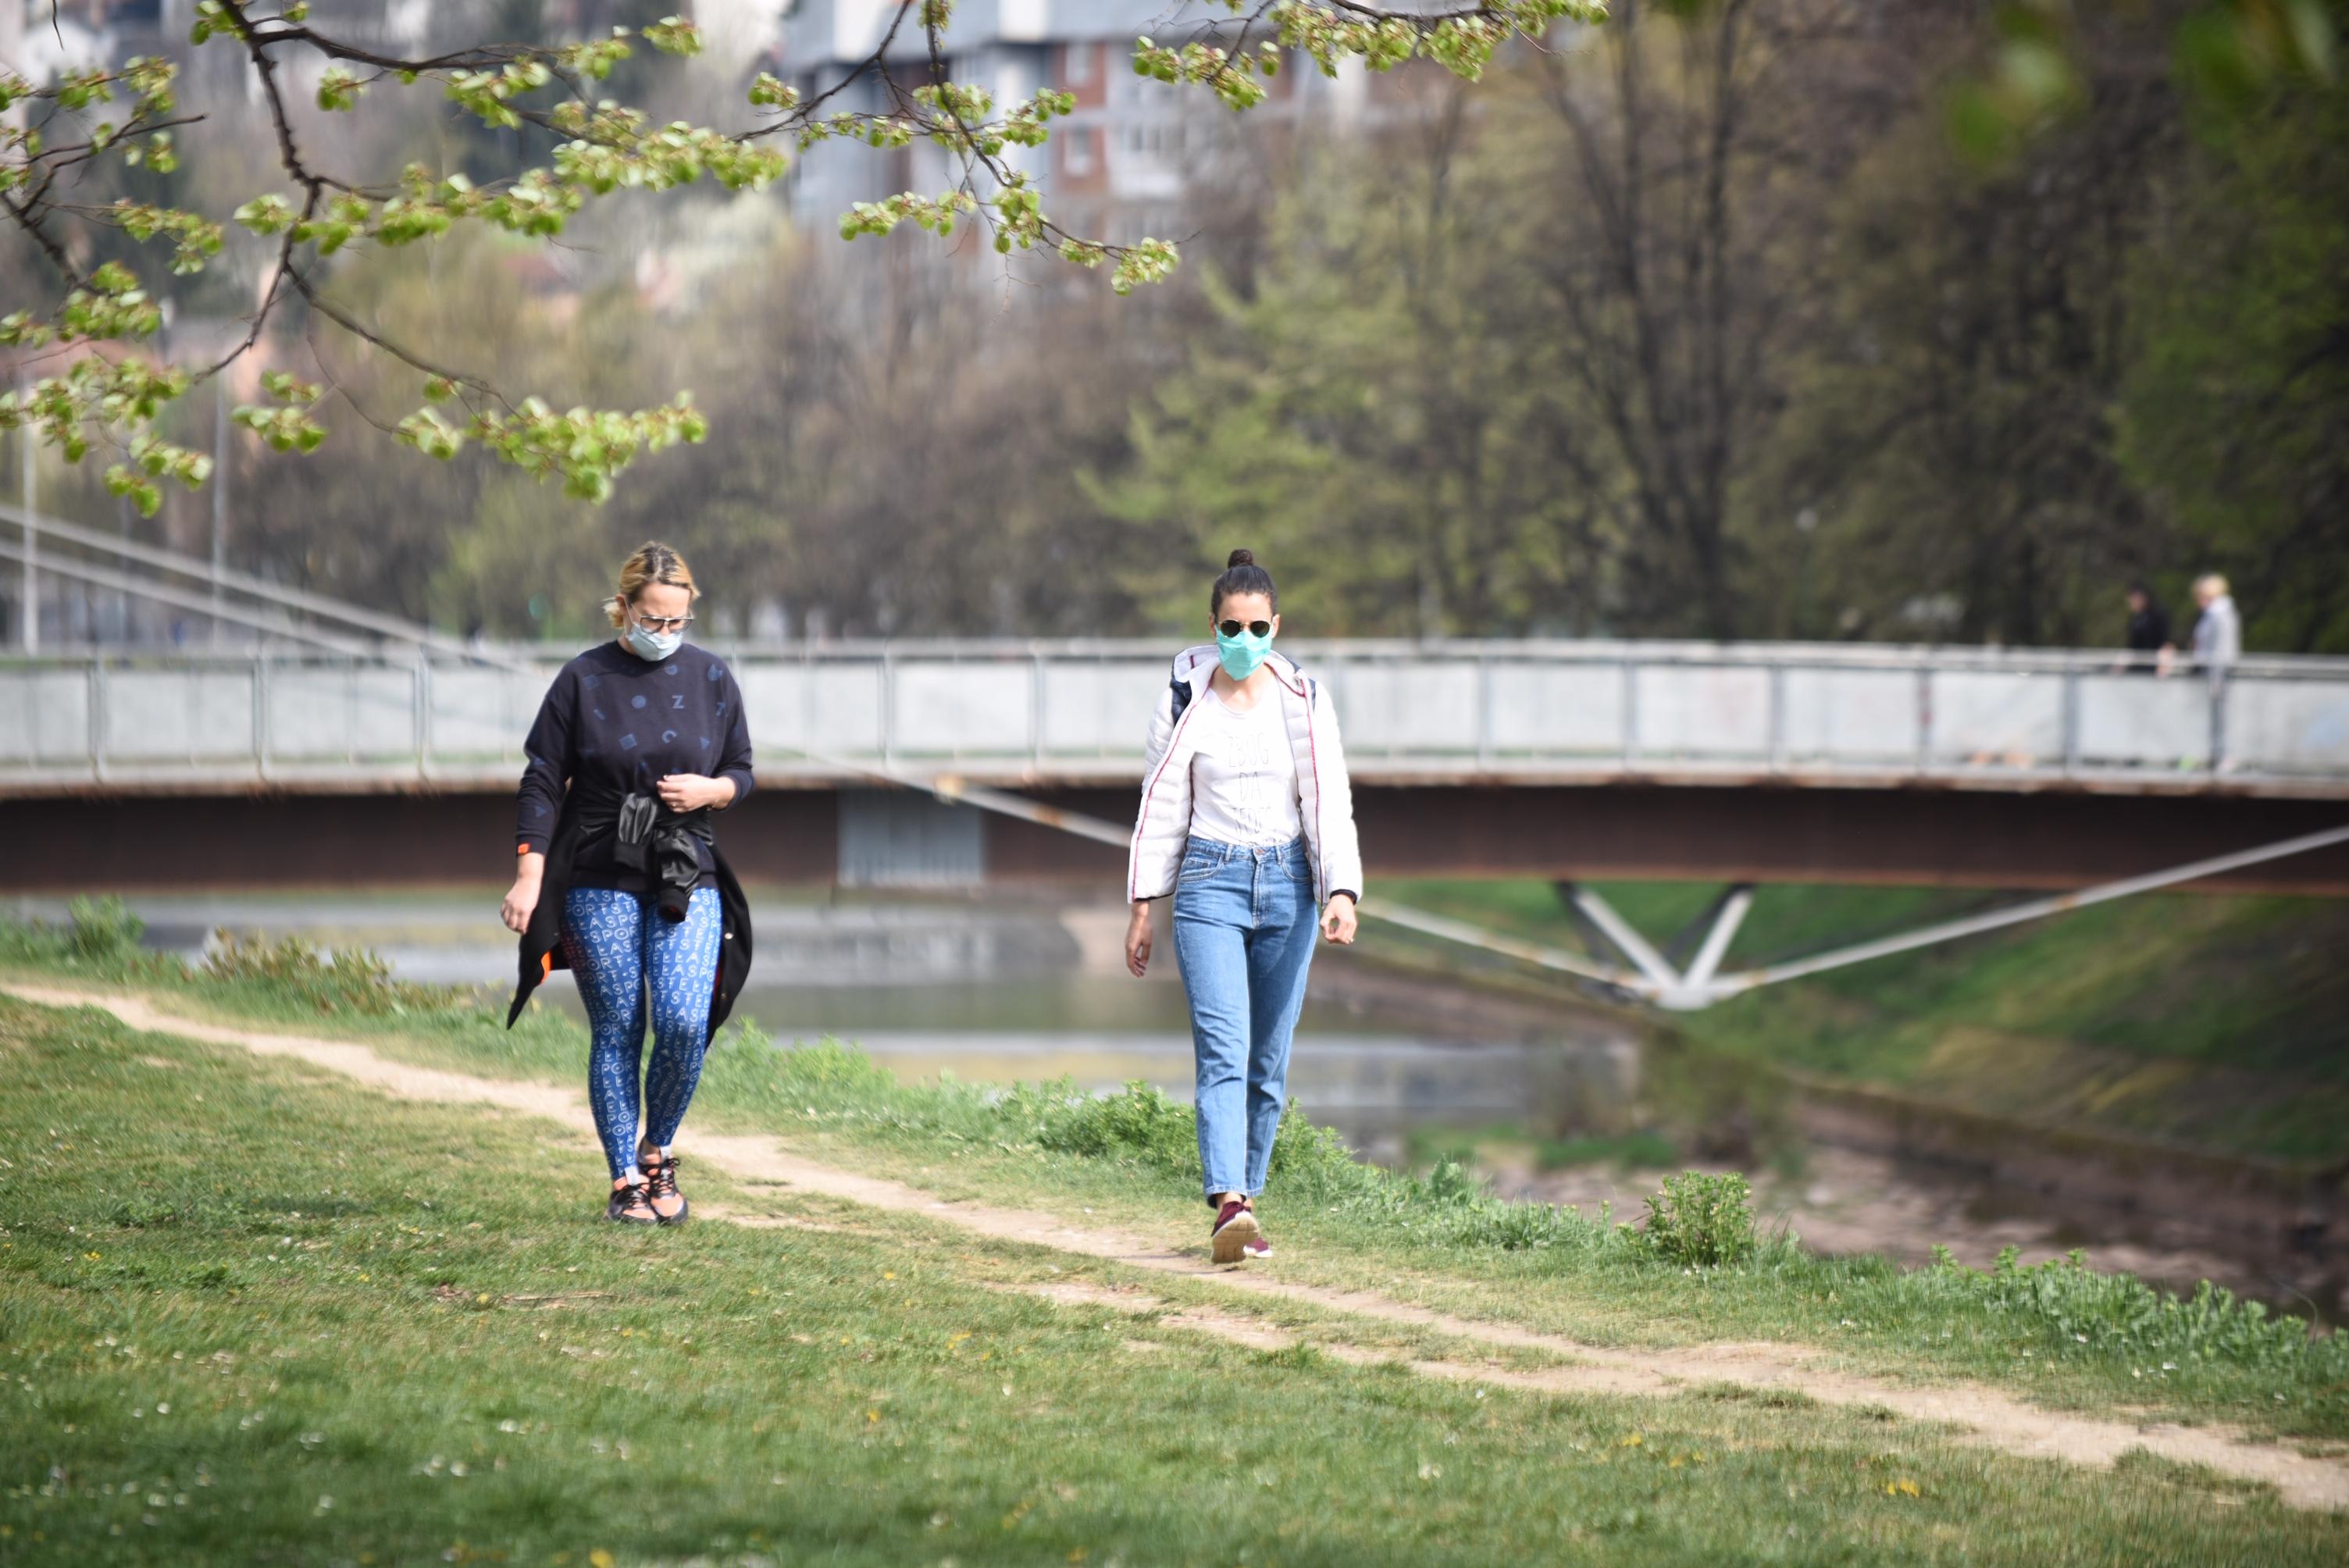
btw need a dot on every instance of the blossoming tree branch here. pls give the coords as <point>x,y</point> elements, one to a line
<point>84,331</point>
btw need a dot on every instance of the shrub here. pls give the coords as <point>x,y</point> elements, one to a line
<point>104,930</point>
<point>1701,1219</point>
<point>1138,1123</point>
<point>1313,1158</point>
<point>347,978</point>
<point>101,936</point>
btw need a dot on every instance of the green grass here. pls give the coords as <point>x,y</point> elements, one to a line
<point>2063,1335</point>
<point>2220,1023</point>
<point>254,1314</point>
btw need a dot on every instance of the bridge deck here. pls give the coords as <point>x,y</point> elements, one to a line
<point>1073,714</point>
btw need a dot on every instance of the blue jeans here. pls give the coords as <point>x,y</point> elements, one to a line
<point>1244,924</point>
<point>619,948</point>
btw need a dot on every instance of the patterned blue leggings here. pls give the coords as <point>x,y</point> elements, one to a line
<point>615,942</point>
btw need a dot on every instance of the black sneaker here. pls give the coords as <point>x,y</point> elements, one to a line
<point>628,1206</point>
<point>660,1184</point>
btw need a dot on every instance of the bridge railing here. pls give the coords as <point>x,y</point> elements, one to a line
<point>1827,713</point>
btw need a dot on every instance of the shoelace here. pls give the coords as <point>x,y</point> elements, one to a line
<point>661,1179</point>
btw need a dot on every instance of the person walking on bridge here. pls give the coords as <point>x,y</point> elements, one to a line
<point>2219,630</point>
<point>1247,820</point>
<point>639,741</point>
<point>2149,643</point>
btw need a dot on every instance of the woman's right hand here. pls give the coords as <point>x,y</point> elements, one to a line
<point>1137,939</point>
<point>522,898</point>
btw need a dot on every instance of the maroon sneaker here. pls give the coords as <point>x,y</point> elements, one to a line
<point>1235,1227</point>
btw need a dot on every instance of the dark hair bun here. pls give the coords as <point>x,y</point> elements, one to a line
<point>1242,575</point>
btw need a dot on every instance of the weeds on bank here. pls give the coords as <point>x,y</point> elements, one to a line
<point>101,940</point>
<point>1702,1221</point>
<point>2202,1347</point>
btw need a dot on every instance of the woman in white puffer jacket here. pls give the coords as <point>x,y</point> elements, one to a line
<point>1247,819</point>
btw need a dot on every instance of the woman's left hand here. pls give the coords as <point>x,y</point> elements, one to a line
<point>1338,920</point>
<point>683,792</point>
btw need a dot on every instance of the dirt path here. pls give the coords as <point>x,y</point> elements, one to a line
<point>1988,1417</point>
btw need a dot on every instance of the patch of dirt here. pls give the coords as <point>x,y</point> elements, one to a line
<point>1239,1328</point>
<point>1987,1416</point>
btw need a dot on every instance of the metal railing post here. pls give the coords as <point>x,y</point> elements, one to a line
<point>98,716</point>
<point>2220,679</point>
<point>2071,722</point>
<point>33,715</point>
<point>261,695</point>
<point>1631,714</point>
<point>1036,707</point>
<point>888,709</point>
<point>423,716</point>
<point>807,699</point>
<point>1924,718</point>
<point>1778,718</point>
<point>1483,708</point>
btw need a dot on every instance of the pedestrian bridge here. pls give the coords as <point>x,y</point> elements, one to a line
<point>1577,759</point>
<point>1075,713</point>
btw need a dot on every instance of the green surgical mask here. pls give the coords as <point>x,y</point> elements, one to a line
<point>1240,656</point>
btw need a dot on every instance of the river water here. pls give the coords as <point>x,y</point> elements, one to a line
<point>998,990</point>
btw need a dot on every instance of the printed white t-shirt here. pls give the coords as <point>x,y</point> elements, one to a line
<point>1244,775</point>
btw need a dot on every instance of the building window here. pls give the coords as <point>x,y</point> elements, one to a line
<point>1078,64</point>
<point>1077,159</point>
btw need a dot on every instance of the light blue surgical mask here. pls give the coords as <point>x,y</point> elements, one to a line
<point>653,646</point>
<point>1240,656</point>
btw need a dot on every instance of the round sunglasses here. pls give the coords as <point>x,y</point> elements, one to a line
<point>1253,628</point>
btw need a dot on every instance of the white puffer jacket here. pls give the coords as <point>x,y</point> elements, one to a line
<point>1324,797</point>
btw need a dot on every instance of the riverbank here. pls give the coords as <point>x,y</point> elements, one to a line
<point>928,1322</point>
<point>1861,1151</point>
<point>2214,1025</point>
<point>1415,1054</point>
<point>2065,1336</point>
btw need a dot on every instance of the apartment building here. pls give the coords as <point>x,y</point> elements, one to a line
<point>1119,167</point>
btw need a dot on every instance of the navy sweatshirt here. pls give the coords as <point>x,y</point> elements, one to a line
<point>613,723</point>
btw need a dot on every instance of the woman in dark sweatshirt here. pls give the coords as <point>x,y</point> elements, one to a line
<point>648,717</point>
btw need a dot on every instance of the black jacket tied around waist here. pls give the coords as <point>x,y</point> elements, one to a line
<point>658,845</point>
<point>670,847</point>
